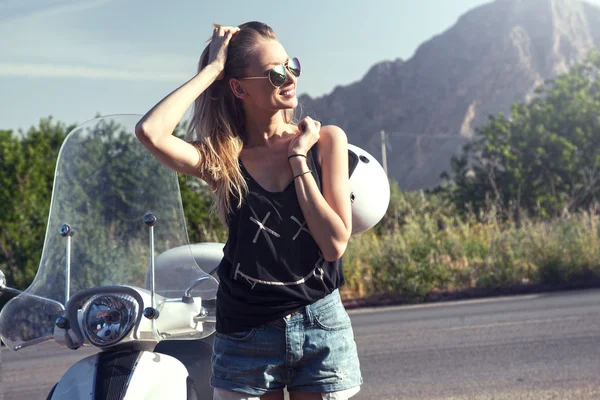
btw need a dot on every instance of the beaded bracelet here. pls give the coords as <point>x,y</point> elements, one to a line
<point>303,173</point>
<point>296,155</point>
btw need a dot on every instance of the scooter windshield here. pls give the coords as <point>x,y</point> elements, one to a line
<point>105,184</point>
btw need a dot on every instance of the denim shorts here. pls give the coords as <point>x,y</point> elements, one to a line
<point>312,350</point>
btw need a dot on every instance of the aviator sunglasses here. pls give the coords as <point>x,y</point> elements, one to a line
<point>277,75</point>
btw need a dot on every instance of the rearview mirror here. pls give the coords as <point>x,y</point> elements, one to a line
<point>2,282</point>
<point>4,288</point>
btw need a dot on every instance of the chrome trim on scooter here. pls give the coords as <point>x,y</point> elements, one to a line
<point>33,342</point>
<point>188,292</point>
<point>66,231</point>
<point>150,221</point>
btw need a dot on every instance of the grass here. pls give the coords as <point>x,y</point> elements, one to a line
<point>423,246</point>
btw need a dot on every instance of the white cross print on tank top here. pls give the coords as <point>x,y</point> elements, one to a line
<point>262,227</point>
<point>302,228</point>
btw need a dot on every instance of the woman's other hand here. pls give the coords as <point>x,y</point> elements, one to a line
<point>304,140</point>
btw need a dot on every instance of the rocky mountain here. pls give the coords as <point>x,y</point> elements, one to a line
<point>429,105</point>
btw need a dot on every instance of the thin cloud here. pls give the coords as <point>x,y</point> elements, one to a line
<point>44,70</point>
<point>45,10</point>
<point>34,45</point>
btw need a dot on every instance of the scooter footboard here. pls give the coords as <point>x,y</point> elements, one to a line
<point>125,374</point>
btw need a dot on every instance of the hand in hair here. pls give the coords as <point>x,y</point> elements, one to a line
<point>309,135</point>
<point>218,46</point>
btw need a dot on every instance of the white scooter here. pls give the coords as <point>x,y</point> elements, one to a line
<point>114,206</point>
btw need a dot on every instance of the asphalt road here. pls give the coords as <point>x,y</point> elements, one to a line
<point>531,347</point>
<point>528,347</point>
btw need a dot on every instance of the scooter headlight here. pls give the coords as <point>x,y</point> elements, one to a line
<point>108,318</point>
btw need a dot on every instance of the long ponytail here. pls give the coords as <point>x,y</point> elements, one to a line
<point>217,125</point>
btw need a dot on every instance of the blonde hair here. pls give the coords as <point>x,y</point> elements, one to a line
<point>217,124</point>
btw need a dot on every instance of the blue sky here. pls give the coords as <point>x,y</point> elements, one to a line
<point>72,59</point>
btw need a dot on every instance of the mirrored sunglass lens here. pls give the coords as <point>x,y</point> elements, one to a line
<point>294,66</point>
<point>277,75</point>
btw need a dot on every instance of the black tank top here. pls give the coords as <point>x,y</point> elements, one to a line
<point>271,266</point>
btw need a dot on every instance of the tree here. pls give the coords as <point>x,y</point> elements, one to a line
<point>543,159</point>
<point>25,188</point>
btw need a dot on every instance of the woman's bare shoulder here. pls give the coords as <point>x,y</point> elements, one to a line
<point>332,138</point>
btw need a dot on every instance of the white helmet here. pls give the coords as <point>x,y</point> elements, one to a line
<point>369,188</point>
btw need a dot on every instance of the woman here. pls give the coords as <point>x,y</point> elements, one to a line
<point>283,191</point>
